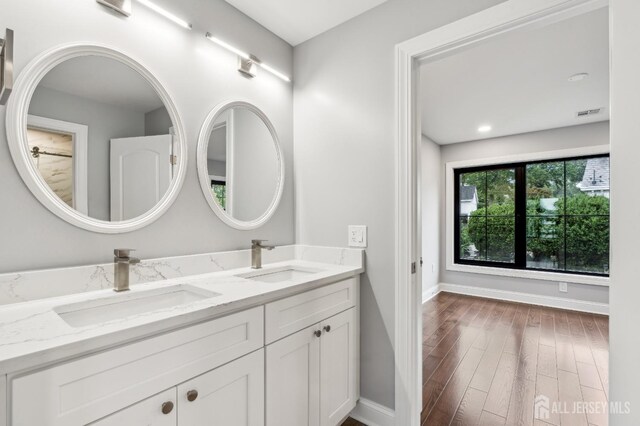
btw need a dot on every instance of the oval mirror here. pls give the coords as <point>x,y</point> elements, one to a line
<point>96,138</point>
<point>240,165</point>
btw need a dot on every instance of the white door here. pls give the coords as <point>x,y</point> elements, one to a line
<point>232,395</point>
<point>338,364</point>
<point>293,380</point>
<point>159,410</point>
<point>140,174</point>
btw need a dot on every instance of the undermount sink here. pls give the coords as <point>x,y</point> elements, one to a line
<point>125,305</point>
<point>284,273</point>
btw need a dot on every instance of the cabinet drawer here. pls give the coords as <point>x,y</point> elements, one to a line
<point>286,316</point>
<point>82,391</point>
<point>148,412</point>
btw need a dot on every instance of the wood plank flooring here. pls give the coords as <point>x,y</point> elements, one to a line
<point>351,422</point>
<point>486,361</point>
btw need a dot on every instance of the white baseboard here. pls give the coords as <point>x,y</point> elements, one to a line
<point>533,299</point>
<point>430,292</point>
<point>373,414</point>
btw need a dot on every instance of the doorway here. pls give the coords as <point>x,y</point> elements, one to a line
<point>511,17</point>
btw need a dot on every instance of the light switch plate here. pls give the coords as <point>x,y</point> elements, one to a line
<point>562,287</point>
<point>357,236</point>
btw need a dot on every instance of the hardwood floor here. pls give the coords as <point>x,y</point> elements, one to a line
<point>351,422</point>
<point>486,361</point>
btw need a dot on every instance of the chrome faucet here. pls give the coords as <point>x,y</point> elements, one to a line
<point>256,253</point>
<point>121,262</point>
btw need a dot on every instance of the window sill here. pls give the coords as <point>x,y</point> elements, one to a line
<point>533,275</point>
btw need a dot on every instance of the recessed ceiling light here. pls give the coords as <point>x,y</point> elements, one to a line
<point>578,77</point>
<point>484,129</point>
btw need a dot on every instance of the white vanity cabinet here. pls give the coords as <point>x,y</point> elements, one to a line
<point>312,375</point>
<point>159,410</point>
<point>339,367</point>
<point>3,400</point>
<point>218,372</point>
<point>88,389</point>
<point>293,380</point>
<point>231,395</point>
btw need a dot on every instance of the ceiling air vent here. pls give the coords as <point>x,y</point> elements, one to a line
<point>588,112</point>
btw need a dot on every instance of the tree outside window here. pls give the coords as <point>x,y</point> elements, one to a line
<point>551,215</point>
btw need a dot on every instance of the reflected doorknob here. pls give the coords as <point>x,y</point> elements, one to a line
<point>327,328</point>
<point>317,333</point>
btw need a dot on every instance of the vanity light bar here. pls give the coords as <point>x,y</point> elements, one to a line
<point>165,13</point>
<point>229,47</point>
<point>274,72</point>
<point>248,59</point>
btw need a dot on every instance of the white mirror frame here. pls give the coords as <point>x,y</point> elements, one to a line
<point>16,126</point>
<point>203,173</point>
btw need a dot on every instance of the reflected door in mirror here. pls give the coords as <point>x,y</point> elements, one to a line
<point>119,166</point>
<point>140,174</point>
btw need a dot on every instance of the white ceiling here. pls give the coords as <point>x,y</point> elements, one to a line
<point>297,21</point>
<point>103,80</point>
<point>519,83</point>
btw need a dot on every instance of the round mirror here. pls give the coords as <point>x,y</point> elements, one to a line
<point>240,165</point>
<point>96,138</point>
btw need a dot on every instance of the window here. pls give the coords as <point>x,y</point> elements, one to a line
<point>219,188</point>
<point>549,216</point>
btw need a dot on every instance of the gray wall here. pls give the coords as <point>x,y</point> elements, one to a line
<point>198,75</point>
<point>344,132</point>
<point>430,192</point>
<point>105,122</point>
<point>157,122</point>
<point>625,209</point>
<point>217,168</point>
<point>255,166</point>
<point>217,152</point>
<point>548,140</point>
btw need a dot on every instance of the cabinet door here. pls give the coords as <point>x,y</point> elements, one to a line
<point>293,380</point>
<point>339,348</point>
<point>145,413</point>
<point>232,395</point>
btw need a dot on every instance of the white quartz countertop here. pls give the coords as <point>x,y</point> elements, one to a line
<point>33,334</point>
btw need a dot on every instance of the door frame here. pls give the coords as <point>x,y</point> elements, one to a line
<point>80,134</point>
<point>509,16</point>
<point>226,121</point>
<point>228,124</point>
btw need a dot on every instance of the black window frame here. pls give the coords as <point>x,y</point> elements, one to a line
<point>520,236</point>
